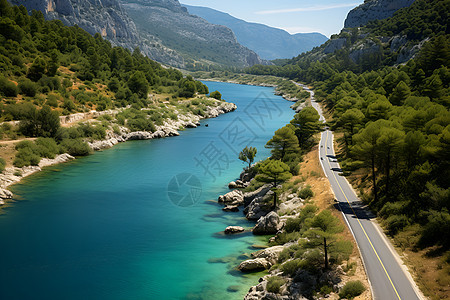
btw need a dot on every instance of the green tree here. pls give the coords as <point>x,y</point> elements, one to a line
<point>37,69</point>
<point>365,149</point>
<point>283,142</point>
<point>388,144</point>
<point>248,155</point>
<point>138,84</point>
<point>323,231</point>
<point>306,124</point>
<point>400,93</point>
<point>350,121</point>
<point>275,172</point>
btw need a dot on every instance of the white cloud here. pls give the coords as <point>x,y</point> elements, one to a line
<point>303,9</point>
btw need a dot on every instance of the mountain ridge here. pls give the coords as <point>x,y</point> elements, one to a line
<point>254,35</point>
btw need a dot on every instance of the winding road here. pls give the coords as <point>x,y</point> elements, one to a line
<point>388,276</point>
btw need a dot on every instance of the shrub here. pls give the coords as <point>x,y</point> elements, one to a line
<point>340,251</point>
<point>26,157</point>
<point>392,208</point>
<point>47,147</point>
<point>437,229</point>
<point>285,237</point>
<point>306,193</point>
<point>75,147</point>
<point>2,164</point>
<point>274,284</point>
<point>8,88</point>
<point>395,223</point>
<point>28,88</point>
<point>291,267</point>
<point>352,289</point>
<point>216,95</point>
<point>293,224</point>
<point>69,105</point>
<point>52,101</point>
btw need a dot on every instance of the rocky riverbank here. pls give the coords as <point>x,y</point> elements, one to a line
<point>293,265</point>
<point>12,175</point>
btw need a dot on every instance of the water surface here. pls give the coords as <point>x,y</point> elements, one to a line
<point>104,226</point>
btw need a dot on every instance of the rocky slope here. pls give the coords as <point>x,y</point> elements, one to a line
<point>256,36</point>
<point>197,40</point>
<point>105,17</point>
<point>374,10</point>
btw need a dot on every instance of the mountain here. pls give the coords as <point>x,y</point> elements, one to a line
<point>389,41</point>
<point>257,36</point>
<point>200,43</point>
<point>105,17</point>
<point>374,10</point>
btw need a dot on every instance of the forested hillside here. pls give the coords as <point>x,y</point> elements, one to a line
<point>48,69</point>
<point>393,119</point>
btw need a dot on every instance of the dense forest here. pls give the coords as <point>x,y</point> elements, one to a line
<point>393,119</point>
<point>48,70</point>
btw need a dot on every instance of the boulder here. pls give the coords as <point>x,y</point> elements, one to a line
<point>231,208</point>
<point>259,193</point>
<point>5,194</point>
<point>255,210</point>
<point>234,229</point>
<point>254,265</point>
<point>269,224</point>
<point>235,197</point>
<point>238,184</point>
<point>270,254</point>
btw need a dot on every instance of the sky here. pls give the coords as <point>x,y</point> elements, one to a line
<point>294,16</point>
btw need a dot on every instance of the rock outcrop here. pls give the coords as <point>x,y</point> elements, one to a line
<point>374,10</point>
<point>269,224</point>
<point>235,197</point>
<point>270,254</point>
<point>231,208</point>
<point>254,265</point>
<point>234,229</point>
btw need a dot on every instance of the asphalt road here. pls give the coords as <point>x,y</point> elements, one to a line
<point>388,278</point>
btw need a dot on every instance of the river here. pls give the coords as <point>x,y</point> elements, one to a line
<point>137,221</point>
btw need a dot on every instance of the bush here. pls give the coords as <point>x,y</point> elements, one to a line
<point>2,164</point>
<point>290,267</point>
<point>293,224</point>
<point>274,284</point>
<point>75,147</point>
<point>28,88</point>
<point>392,208</point>
<point>396,223</point>
<point>26,157</point>
<point>352,289</point>
<point>437,229</point>
<point>47,147</point>
<point>216,95</point>
<point>306,193</point>
<point>8,88</point>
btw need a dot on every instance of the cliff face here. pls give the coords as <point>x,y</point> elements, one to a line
<point>193,37</point>
<point>95,16</point>
<point>374,10</point>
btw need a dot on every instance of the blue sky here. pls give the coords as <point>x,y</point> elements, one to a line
<point>324,16</point>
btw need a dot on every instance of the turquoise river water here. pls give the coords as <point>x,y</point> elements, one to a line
<point>137,221</point>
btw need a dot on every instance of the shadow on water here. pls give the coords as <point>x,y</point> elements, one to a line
<point>222,235</point>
